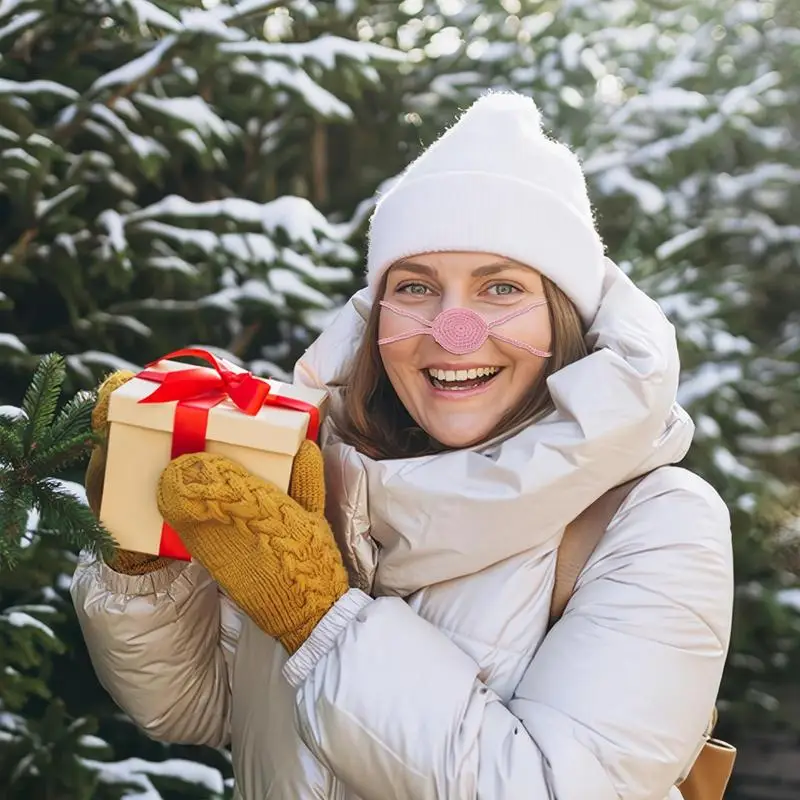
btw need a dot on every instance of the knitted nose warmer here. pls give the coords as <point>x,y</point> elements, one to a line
<point>461,330</point>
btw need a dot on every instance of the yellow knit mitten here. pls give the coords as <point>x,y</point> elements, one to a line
<point>273,553</point>
<point>124,561</point>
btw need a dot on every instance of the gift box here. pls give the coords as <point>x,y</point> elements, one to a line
<point>172,408</point>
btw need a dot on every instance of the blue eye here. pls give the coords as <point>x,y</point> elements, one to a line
<point>503,289</point>
<point>416,289</point>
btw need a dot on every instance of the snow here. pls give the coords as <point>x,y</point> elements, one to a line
<point>191,110</point>
<point>204,240</point>
<point>150,14</point>
<point>297,216</point>
<point>19,619</point>
<point>244,8</point>
<point>19,23</point>
<point>660,101</point>
<point>269,369</point>
<point>93,742</point>
<point>742,99</point>
<point>9,87</point>
<point>135,771</point>
<point>142,146</point>
<point>790,598</point>
<point>326,50</point>
<point>10,341</point>
<point>82,362</point>
<point>200,21</point>
<point>706,379</point>
<point>9,6</point>
<point>18,154</point>
<point>649,197</point>
<point>253,290</point>
<point>253,247</point>
<point>277,75</point>
<point>775,445</point>
<point>125,321</point>
<point>174,264</point>
<point>44,207</point>
<point>729,465</point>
<point>115,229</point>
<point>289,284</point>
<point>135,70</point>
<point>680,242</point>
<point>304,265</point>
<point>11,412</point>
<point>730,187</point>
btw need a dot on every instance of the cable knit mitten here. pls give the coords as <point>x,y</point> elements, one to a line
<point>273,553</point>
<point>124,561</point>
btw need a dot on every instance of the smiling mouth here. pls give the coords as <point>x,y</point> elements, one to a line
<point>462,379</point>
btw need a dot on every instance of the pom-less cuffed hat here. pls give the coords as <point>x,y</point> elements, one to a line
<point>495,183</point>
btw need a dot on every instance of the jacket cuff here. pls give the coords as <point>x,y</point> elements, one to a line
<point>324,636</point>
<point>150,583</point>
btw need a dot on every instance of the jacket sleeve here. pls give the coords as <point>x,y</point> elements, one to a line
<point>612,706</point>
<point>157,646</point>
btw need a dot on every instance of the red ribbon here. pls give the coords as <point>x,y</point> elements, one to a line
<point>197,391</point>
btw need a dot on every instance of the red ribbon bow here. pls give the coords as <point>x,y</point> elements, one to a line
<point>198,390</point>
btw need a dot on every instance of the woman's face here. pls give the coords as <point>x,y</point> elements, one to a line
<point>460,399</point>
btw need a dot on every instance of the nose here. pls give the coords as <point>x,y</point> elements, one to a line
<point>452,299</point>
<point>459,330</point>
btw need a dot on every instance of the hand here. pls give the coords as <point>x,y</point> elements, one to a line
<point>124,561</point>
<point>273,553</point>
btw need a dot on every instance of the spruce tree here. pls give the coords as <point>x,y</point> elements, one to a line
<point>165,181</point>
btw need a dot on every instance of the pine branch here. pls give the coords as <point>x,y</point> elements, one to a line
<point>60,455</point>
<point>11,449</point>
<point>34,447</point>
<point>65,516</point>
<point>15,506</point>
<point>74,418</point>
<point>41,398</point>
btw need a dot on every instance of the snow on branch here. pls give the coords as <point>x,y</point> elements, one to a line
<point>296,216</point>
<point>135,70</point>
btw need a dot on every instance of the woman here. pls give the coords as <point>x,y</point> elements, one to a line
<point>496,376</point>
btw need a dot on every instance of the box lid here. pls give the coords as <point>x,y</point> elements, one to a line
<point>275,429</point>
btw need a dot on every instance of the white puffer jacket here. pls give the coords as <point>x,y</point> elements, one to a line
<point>433,677</point>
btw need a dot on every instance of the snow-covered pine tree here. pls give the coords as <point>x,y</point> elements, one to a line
<point>164,181</point>
<point>685,116</point>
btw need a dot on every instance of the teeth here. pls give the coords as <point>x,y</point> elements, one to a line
<point>462,374</point>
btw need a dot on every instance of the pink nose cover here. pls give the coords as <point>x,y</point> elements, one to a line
<point>461,330</point>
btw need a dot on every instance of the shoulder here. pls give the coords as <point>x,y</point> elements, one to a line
<point>669,546</point>
<point>671,506</point>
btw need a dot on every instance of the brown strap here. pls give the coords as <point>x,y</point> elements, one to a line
<point>581,537</point>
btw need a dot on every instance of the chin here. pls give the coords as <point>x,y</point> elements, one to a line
<point>457,440</point>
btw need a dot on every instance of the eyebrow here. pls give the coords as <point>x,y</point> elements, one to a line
<point>479,272</point>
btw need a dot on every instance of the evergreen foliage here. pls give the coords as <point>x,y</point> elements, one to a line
<point>36,444</point>
<point>187,172</point>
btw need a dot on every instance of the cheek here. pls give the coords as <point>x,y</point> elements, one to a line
<point>396,355</point>
<point>534,331</point>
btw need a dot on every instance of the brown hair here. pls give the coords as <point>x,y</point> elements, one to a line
<point>376,423</point>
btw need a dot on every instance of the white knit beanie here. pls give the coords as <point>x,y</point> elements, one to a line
<point>495,183</point>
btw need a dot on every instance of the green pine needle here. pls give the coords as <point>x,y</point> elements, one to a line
<point>15,507</point>
<point>34,448</point>
<point>41,398</point>
<point>63,515</point>
<point>60,455</point>
<point>74,419</point>
<point>11,448</point>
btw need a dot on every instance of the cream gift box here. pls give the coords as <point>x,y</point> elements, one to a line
<point>147,431</point>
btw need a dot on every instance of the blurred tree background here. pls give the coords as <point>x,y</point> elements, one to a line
<point>178,172</point>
